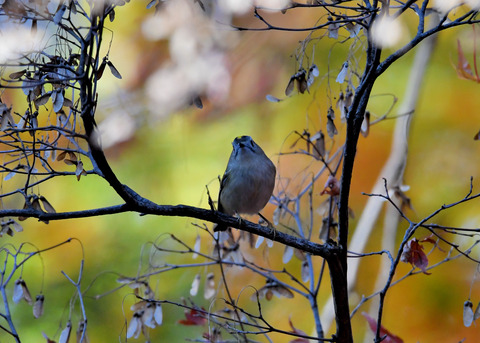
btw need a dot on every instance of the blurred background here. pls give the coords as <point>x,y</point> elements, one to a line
<point>170,154</point>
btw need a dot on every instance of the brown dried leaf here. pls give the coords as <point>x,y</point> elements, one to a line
<point>101,69</point>
<point>331,128</point>
<point>57,99</point>
<point>302,84</point>
<point>273,288</point>
<point>61,156</point>
<point>42,100</point>
<point>67,102</point>
<point>114,70</point>
<point>79,171</point>
<point>17,74</point>
<point>332,186</point>
<point>81,328</point>
<point>318,140</point>
<point>413,253</point>
<point>290,85</point>
<point>477,136</point>
<point>36,204</point>
<point>297,332</point>
<point>38,306</point>
<point>332,28</point>
<point>47,206</point>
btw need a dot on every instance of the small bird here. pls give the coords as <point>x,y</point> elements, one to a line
<point>248,182</point>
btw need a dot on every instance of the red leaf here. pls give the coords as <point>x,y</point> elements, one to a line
<point>332,186</point>
<point>413,253</point>
<point>298,332</point>
<point>193,317</point>
<point>464,70</point>
<point>389,337</point>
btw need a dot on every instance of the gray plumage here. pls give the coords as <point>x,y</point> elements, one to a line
<point>248,182</point>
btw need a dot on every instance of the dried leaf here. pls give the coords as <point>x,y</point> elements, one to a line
<point>61,156</point>
<point>464,70</point>
<point>81,332</point>
<point>331,128</point>
<point>389,337</point>
<point>17,291</point>
<point>302,84</point>
<point>158,314</point>
<point>193,317</point>
<point>297,332</point>
<point>114,70</point>
<point>79,171</point>
<point>135,326</point>
<point>209,290</point>
<point>476,315</point>
<point>319,145</point>
<point>467,313</point>
<point>259,241</point>
<point>16,226</point>
<point>365,129</point>
<point>272,98</point>
<point>413,253</point>
<point>305,271</point>
<point>6,117</point>
<point>196,247</point>
<point>332,186</point>
<point>101,69</point>
<point>72,157</point>
<point>195,285</point>
<point>65,335</point>
<point>151,4</point>
<point>287,254</point>
<point>314,70</point>
<point>48,339</point>
<point>147,316</point>
<point>20,291</point>
<point>290,86</point>
<point>42,100</point>
<point>38,306</point>
<point>17,74</point>
<point>36,204</point>
<point>273,288</point>
<point>111,15</point>
<point>332,28</point>
<point>197,102</point>
<point>59,14</point>
<point>47,206</point>
<point>353,29</point>
<point>342,74</point>
<point>57,98</point>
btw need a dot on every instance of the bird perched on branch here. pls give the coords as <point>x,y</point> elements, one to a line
<point>248,182</point>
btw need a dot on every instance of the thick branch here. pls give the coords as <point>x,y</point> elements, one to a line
<point>148,207</point>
